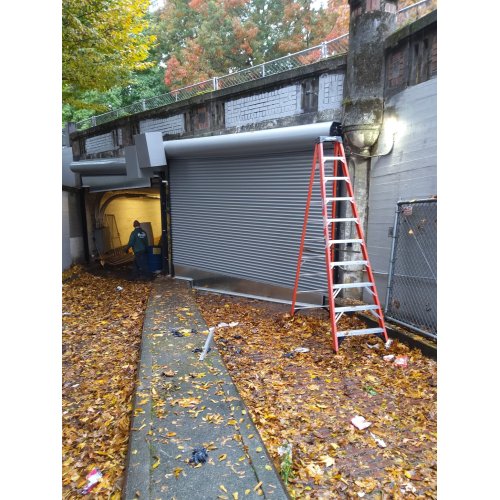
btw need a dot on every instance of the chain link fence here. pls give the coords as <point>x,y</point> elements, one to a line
<point>412,288</point>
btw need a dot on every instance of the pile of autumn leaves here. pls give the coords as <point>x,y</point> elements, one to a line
<point>303,399</point>
<point>102,325</point>
<point>308,399</point>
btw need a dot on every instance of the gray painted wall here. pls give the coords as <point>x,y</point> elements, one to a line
<point>72,232</point>
<point>408,172</point>
<point>66,249</point>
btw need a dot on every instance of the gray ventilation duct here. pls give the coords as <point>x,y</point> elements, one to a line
<point>108,166</point>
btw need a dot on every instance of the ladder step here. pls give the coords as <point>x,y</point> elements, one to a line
<point>349,219</point>
<point>365,331</point>
<point>333,158</point>
<point>349,263</point>
<point>352,285</point>
<point>328,200</point>
<point>339,242</point>
<point>329,138</point>
<point>355,308</point>
<point>339,198</point>
<point>329,178</point>
<point>318,306</point>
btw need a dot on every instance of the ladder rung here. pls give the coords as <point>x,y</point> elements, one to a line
<point>339,198</point>
<point>365,331</point>
<point>349,219</point>
<point>352,285</point>
<point>339,242</point>
<point>333,158</point>
<point>329,178</point>
<point>319,306</point>
<point>349,263</point>
<point>328,200</point>
<point>355,308</point>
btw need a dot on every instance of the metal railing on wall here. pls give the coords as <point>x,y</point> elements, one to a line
<point>337,46</point>
<point>412,287</point>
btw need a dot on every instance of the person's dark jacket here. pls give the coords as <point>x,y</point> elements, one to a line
<point>138,241</point>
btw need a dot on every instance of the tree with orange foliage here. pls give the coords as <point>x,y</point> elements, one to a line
<point>200,39</point>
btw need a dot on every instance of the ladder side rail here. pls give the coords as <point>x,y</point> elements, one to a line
<point>329,273</point>
<point>363,247</point>
<point>304,230</point>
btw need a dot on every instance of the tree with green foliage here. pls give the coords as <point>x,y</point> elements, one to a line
<point>103,42</point>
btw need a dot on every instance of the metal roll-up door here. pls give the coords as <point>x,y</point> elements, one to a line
<point>242,216</point>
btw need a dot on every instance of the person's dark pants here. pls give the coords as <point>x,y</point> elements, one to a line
<point>141,263</point>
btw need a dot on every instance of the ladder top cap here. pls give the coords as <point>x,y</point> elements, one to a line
<point>327,138</point>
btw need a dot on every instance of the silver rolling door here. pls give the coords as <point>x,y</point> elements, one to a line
<point>242,216</point>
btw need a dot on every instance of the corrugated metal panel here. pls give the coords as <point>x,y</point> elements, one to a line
<point>243,216</point>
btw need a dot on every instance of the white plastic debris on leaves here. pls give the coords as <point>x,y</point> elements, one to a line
<point>379,441</point>
<point>230,325</point>
<point>360,423</point>
<point>301,349</point>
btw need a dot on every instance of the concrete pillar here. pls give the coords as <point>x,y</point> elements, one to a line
<point>359,171</point>
<point>371,21</point>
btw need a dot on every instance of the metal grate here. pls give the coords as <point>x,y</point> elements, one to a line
<point>412,291</point>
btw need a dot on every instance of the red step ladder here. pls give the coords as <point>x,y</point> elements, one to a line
<point>340,173</point>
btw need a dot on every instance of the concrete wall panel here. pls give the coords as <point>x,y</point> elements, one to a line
<point>408,172</point>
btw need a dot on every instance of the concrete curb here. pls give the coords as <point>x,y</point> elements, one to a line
<point>148,442</point>
<point>427,347</point>
<point>137,478</point>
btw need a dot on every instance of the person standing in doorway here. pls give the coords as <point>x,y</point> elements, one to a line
<point>138,242</point>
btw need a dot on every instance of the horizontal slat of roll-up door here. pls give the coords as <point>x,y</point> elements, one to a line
<point>243,216</point>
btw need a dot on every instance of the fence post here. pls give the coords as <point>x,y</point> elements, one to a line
<point>215,83</point>
<point>144,104</point>
<point>263,70</point>
<point>391,261</point>
<point>324,52</point>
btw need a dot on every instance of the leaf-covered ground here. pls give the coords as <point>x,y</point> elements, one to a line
<point>101,334</point>
<point>308,400</point>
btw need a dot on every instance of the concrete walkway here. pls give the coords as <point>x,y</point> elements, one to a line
<point>181,404</point>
